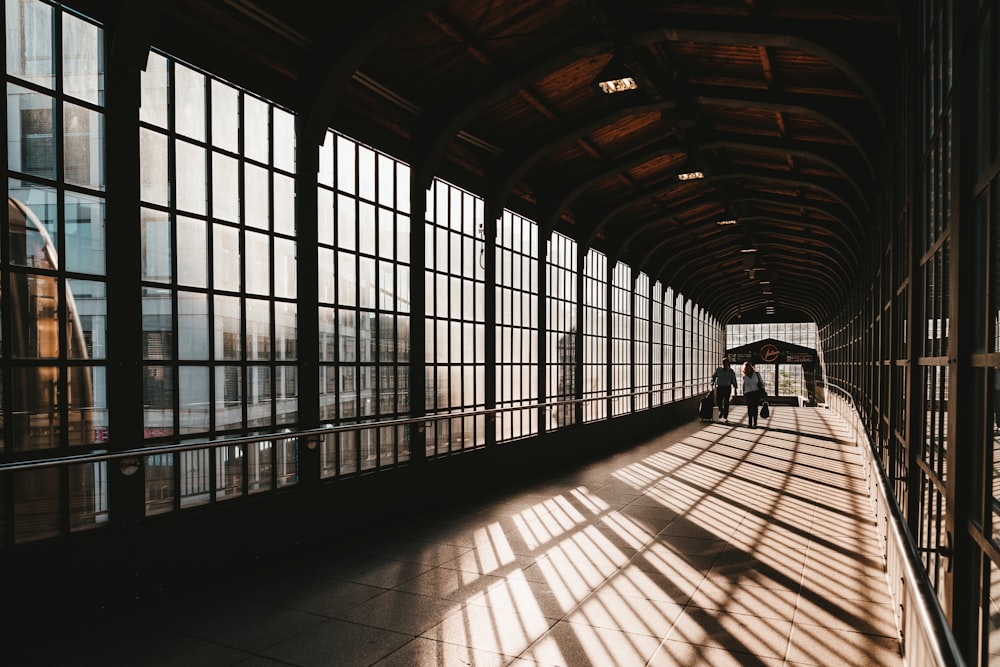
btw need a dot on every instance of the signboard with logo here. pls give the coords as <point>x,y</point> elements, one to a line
<point>772,351</point>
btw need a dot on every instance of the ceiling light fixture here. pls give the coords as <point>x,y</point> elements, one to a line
<point>615,77</point>
<point>690,176</point>
<point>748,250</point>
<point>725,222</point>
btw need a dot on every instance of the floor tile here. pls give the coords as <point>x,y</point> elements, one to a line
<point>706,545</point>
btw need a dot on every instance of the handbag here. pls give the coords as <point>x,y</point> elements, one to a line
<point>760,385</point>
<point>765,411</point>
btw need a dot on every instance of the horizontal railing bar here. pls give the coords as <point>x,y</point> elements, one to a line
<point>154,450</point>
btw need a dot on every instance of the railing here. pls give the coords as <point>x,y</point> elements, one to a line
<point>205,471</point>
<point>328,429</point>
<point>927,638</point>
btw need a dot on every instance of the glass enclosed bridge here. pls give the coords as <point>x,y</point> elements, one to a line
<point>376,332</point>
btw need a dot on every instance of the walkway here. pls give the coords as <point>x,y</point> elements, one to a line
<point>709,545</point>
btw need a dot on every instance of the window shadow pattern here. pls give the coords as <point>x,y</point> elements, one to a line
<point>707,545</point>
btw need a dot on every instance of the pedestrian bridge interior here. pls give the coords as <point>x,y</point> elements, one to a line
<point>289,290</point>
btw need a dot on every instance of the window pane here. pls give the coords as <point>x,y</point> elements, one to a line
<point>192,325</point>
<point>346,164</point>
<point>85,247</point>
<point>30,53</point>
<point>156,245</point>
<point>227,328</point>
<point>284,205</point>
<point>83,146</point>
<point>88,406</point>
<point>155,90</point>
<point>225,188</point>
<point>88,316</point>
<point>285,281</point>
<point>225,116</point>
<point>191,188</point>
<point>258,262</point>
<point>284,140</point>
<point>286,334</point>
<point>228,397</point>
<point>258,330</point>
<point>153,173</point>
<point>157,402</point>
<point>159,473</point>
<point>325,282</point>
<point>192,252</point>
<point>195,481</point>
<point>259,466</point>
<point>34,424</point>
<point>33,225</point>
<point>256,196</point>
<point>82,57</point>
<point>346,222</point>
<point>37,312</point>
<point>193,389</point>
<point>226,265</point>
<point>189,102</point>
<point>255,129</point>
<point>259,396</point>
<point>30,147</point>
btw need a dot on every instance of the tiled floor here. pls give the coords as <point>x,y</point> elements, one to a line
<point>710,545</point>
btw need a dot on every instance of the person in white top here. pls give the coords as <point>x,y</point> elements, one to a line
<point>724,380</point>
<point>753,390</point>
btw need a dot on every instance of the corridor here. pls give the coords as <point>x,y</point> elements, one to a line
<point>708,545</point>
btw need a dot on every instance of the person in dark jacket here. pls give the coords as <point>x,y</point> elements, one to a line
<point>724,381</point>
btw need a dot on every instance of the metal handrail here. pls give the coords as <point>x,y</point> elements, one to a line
<point>190,445</point>
<point>932,619</point>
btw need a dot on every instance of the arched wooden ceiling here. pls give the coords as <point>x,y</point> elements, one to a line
<point>782,104</point>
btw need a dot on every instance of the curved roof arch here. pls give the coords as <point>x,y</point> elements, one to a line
<point>781,105</point>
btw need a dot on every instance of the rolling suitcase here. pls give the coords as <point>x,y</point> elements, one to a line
<point>705,407</point>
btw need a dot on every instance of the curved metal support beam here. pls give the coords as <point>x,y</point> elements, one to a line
<point>359,40</point>
<point>515,168</point>
<point>724,299</point>
<point>828,156</point>
<point>806,308</point>
<point>700,268</point>
<point>843,119</point>
<point>564,199</point>
<point>605,217</point>
<point>444,124</point>
<point>845,256</point>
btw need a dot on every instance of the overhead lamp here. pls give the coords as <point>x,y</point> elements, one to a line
<point>615,77</point>
<point>725,222</point>
<point>690,176</point>
<point>748,250</point>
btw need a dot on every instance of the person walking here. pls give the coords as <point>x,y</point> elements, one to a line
<point>724,381</point>
<point>753,390</point>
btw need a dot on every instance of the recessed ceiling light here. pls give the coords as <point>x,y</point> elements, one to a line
<point>690,176</point>
<point>725,222</point>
